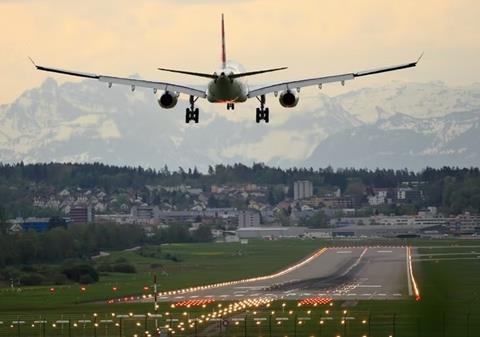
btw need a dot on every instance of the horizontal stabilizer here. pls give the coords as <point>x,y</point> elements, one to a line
<point>250,73</point>
<point>189,73</point>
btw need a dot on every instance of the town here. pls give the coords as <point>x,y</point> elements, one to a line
<point>306,208</point>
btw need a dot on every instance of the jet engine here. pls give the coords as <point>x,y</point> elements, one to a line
<point>288,99</point>
<point>168,100</point>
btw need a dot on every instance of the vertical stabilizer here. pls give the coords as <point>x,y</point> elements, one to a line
<point>224,55</point>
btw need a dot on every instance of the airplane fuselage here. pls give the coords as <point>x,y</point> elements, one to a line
<point>225,89</point>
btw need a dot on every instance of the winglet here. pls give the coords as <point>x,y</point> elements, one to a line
<point>419,58</point>
<point>33,62</point>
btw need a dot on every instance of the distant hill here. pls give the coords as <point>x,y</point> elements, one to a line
<point>399,125</point>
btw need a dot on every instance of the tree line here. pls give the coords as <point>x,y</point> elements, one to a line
<point>82,241</point>
<point>453,189</point>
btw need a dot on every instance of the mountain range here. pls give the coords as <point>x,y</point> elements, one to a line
<point>397,125</point>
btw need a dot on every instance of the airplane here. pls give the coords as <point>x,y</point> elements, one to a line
<point>227,86</point>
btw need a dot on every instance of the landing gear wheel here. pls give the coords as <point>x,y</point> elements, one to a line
<point>192,113</point>
<point>263,113</point>
<point>230,106</point>
<point>196,115</point>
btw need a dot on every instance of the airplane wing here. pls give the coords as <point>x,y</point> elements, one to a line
<point>133,83</point>
<point>326,79</point>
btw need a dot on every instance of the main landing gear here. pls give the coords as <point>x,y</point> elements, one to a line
<point>230,106</point>
<point>262,112</point>
<point>192,112</point>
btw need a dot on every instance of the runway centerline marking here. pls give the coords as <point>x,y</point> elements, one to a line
<point>369,286</point>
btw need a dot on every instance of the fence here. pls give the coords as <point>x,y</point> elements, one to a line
<point>246,324</point>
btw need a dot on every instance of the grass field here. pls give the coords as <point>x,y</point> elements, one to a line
<point>200,264</point>
<point>450,291</point>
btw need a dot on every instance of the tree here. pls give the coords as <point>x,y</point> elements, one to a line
<point>203,234</point>
<point>318,220</point>
<point>211,170</point>
<point>3,221</point>
<point>56,221</point>
<point>77,273</point>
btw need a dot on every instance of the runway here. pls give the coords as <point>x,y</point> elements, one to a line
<point>354,273</point>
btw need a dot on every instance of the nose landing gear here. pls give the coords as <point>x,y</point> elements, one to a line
<point>263,113</point>
<point>230,106</point>
<point>192,113</point>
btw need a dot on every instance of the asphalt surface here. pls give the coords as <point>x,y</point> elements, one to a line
<point>338,273</point>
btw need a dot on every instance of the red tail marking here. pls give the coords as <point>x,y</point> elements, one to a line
<point>224,56</point>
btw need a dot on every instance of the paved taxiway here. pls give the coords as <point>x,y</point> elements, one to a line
<point>339,273</point>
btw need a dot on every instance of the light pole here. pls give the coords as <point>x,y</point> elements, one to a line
<point>270,326</point>
<point>245,325</point>
<point>95,325</point>
<point>295,326</point>
<point>393,325</point>
<point>120,327</point>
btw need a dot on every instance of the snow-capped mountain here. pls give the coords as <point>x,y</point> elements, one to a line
<point>421,100</point>
<point>403,141</point>
<point>85,122</point>
<point>398,125</point>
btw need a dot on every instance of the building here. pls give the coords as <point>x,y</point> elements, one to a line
<point>224,213</point>
<point>248,219</point>
<point>409,195</point>
<point>80,215</point>
<point>144,212</point>
<point>337,202</point>
<point>24,225</point>
<point>114,218</point>
<point>302,189</point>
<point>270,232</point>
<point>464,224</point>
<point>362,231</point>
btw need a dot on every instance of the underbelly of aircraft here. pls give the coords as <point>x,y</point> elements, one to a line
<point>226,91</point>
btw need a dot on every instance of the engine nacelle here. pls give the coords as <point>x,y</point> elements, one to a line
<point>168,100</point>
<point>288,99</point>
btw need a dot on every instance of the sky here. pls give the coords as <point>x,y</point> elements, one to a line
<point>312,38</point>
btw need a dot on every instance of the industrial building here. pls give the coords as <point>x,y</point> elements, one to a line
<point>270,232</point>
<point>302,189</point>
<point>248,219</point>
<point>81,215</point>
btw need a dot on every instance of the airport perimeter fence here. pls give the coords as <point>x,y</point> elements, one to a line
<point>260,324</point>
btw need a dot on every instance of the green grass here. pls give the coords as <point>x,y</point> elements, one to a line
<point>200,264</point>
<point>450,290</point>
